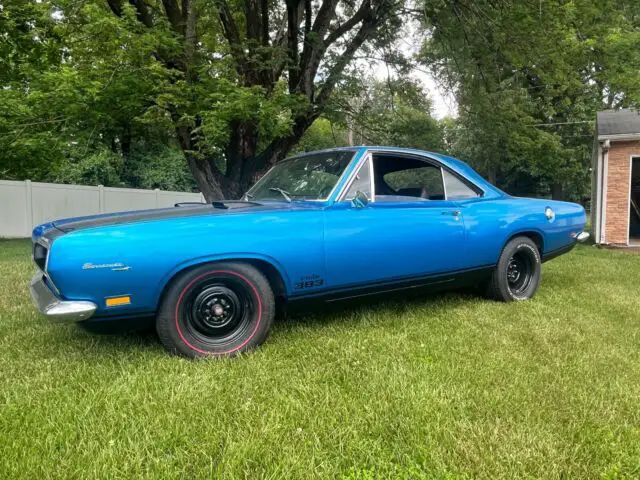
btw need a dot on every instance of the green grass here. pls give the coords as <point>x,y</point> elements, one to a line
<point>448,386</point>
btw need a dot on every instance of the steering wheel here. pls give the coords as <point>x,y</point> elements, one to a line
<point>324,193</point>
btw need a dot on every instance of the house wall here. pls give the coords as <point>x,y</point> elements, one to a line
<point>617,196</point>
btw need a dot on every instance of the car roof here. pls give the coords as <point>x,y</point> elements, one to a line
<point>452,163</point>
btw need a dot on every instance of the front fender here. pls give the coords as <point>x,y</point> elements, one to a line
<point>233,256</point>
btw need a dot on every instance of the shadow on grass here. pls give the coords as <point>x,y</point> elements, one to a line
<point>122,335</point>
<point>139,333</point>
<point>322,313</point>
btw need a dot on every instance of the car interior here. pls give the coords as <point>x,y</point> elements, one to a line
<point>396,178</point>
<point>399,178</point>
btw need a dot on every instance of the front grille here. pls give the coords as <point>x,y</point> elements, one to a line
<point>40,255</point>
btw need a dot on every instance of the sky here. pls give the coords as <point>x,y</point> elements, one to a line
<point>444,104</point>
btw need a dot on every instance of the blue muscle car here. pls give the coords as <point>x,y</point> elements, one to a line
<point>329,225</point>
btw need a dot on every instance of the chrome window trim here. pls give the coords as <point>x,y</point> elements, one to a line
<point>347,185</point>
<point>372,178</point>
<point>436,163</point>
<point>444,185</point>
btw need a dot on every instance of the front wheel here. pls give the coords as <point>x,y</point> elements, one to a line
<point>218,310</point>
<point>517,275</point>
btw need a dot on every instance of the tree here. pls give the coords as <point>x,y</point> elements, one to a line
<point>235,84</point>
<point>529,77</point>
<point>249,78</point>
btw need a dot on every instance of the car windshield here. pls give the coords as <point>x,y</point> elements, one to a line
<point>310,177</point>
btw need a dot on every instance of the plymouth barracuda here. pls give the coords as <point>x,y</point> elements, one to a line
<point>325,225</point>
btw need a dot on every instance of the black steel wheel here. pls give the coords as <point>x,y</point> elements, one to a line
<point>216,310</point>
<point>517,275</point>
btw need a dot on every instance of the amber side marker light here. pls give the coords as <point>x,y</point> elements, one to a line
<point>115,301</point>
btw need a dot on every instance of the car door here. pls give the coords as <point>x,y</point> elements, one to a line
<point>397,234</point>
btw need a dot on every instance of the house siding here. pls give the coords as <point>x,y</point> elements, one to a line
<point>617,198</point>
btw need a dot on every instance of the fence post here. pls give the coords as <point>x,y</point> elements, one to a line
<point>29,207</point>
<point>157,190</point>
<point>100,198</point>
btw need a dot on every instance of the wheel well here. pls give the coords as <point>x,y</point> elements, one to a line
<point>534,236</point>
<point>268,270</point>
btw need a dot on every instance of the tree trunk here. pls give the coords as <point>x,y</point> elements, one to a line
<point>557,191</point>
<point>205,178</point>
<point>492,174</point>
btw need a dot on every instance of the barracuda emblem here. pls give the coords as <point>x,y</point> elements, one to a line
<point>116,267</point>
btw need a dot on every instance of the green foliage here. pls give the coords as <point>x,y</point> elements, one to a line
<point>80,78</point>
<point>162,168</point>
<point>322,134</point>
<point>395,112</point>
<point>100,167</point>
<point>78,81</point>
<point>529,78</point>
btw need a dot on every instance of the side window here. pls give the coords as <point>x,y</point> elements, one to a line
<point>423,182</point>
<point>361,182</point>
<point>456,188</point>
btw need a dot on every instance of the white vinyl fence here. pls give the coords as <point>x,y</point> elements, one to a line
<point>23,205</point>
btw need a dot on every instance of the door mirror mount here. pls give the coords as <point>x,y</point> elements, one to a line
<point>360,200</point>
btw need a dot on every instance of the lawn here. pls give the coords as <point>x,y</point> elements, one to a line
<point>446,386</point>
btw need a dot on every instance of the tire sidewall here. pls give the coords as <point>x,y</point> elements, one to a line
<point>170,322</point>
<point>519,244</point>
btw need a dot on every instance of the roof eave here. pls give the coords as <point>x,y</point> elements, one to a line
<point>620,137</point>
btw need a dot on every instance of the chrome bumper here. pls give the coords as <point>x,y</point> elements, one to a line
<point>582,237</point>
<point>55,309</point>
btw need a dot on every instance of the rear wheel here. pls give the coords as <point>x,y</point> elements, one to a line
<point>517,275</point>
<point>217,309</point>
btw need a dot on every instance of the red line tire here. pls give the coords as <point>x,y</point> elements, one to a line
<point>219,309</point>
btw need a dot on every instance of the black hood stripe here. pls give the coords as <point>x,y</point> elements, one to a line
<point>146,215</point>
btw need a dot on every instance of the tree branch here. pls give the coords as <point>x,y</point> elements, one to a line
<point>361,14</point>
<point>232,35</point>
<point>142,10</point>
<point>144,14</point>
<point>365,31</point>
<point>174,15</point>
<point>116,7</point>
<point>293,7</point>
<point>264,7</point>
<point>252,17</point>
<point>307,16</point>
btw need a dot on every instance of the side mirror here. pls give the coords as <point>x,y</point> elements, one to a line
<point>360,200</point>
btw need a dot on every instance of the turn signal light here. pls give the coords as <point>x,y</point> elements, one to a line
<point>115,301</point>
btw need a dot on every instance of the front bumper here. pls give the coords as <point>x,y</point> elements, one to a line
<point>55,309</point>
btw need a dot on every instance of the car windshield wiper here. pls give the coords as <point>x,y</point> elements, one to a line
<point>284,193</point>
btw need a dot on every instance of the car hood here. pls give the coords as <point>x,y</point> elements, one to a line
<point>79,223</point>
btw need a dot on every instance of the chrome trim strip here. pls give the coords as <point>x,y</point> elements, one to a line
<point>55,309</point>
<point>347,185</point>
<point>424,156</point>
<point>372,178</point>
<point>581,237</point>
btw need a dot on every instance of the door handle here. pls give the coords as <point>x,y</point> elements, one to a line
<point>455,213</point>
